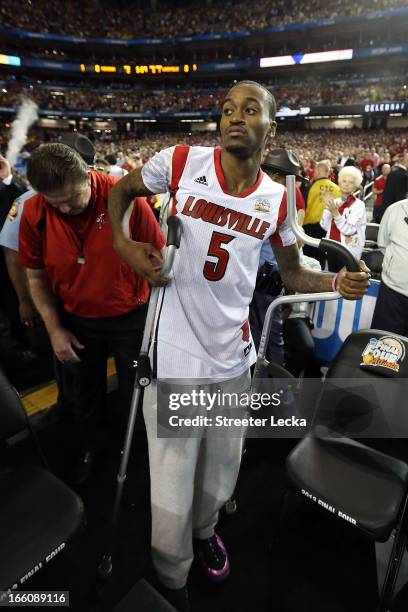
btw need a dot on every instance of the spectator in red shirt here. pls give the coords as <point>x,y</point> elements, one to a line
<point>92,303</point>
<point>379,185</point>
<point>366,161</point>
<point>368,176</point>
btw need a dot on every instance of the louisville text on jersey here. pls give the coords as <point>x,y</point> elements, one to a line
<point>221,216</point>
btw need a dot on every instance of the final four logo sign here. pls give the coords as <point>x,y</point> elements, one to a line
<point>13,212</point>
<point>262,206</point>
<point>384,352</point>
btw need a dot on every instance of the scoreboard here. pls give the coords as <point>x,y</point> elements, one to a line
<point>140,69</point>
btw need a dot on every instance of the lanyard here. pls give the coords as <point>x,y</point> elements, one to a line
<point>80,235</point>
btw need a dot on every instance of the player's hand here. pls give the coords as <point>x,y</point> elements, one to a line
<point>353,285</point>
<point>62,342</point>
<point>28,314</point>
<point>144,259</point>
<point>5,169</point>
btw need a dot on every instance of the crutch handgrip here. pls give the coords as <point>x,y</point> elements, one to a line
<point>174,231</point>
<point>144,372</point>
<point>341,252</point>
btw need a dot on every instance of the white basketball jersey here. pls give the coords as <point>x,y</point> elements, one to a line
<point>202,328</point>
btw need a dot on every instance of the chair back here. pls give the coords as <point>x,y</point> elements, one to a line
<point>372,232</point>
<point>374,261</point>
<point>371,353</point>
<point>366,387</point>
<point>13,418</point>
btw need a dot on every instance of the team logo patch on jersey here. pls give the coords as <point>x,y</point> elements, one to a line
<point>13,212</point>
<point>100,220</point>
<point>247,349</point>
<point>262,205</point>
<point>201,180</point>
<point>384,352</point>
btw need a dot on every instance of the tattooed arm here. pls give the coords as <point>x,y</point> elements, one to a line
<point>351,285</point>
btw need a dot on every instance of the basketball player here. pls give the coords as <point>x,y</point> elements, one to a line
<point>228,207</point>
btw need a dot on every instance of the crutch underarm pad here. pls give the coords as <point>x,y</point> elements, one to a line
<point>174,231</point>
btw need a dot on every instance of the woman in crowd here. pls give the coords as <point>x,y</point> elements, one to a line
<point>344,218</point>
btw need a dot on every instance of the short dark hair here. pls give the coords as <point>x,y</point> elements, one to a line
<point>111,159</point>
<point>270,96</point>
<point>52,166</point>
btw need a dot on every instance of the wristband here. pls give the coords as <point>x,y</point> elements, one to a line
<point>334,280</point>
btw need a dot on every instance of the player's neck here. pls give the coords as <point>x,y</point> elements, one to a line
<point>239,173</point>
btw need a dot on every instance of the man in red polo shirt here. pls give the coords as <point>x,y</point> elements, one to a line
<point>378,187</point>
<point>91,301</point>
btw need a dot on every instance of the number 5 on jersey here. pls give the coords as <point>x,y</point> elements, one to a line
<point>215,271</point>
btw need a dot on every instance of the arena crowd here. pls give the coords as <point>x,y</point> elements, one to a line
<point>130,20</point>
<point>334,93</point>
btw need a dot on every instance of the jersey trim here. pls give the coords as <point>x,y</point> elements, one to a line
<point>223,184</point>
<point>276,239</point>
<point>178,163</point>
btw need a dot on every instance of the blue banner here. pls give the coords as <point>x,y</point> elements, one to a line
<point>379,51</point>
<point>334,321</point>
<point>112,115</point>
<point>313,111</point>
<point>238,65</point>
<point>33,63</point>
<point>208,67</point>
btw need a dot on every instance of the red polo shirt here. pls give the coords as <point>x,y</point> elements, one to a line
<point>103,286</point>
<point>300,201</point>
<point>379,183</point>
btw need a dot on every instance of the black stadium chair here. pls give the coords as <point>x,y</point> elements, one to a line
<point>371,237</point>
<point>356,482</point>
<point>39,514</point>
<point>374,261</point>
<point>143,598</point>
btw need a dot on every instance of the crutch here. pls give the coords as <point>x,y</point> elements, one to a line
<point>324,244</point>
<point>262,365</point>
<point>142,380</point>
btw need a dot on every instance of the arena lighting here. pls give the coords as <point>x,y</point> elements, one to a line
<point>283,60</point>
<point>306,58</point>
<point>326,56</point>
<point>107,68</point>
<point>10,60</point>
<point>332,117</point>
<point>290,112</point>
